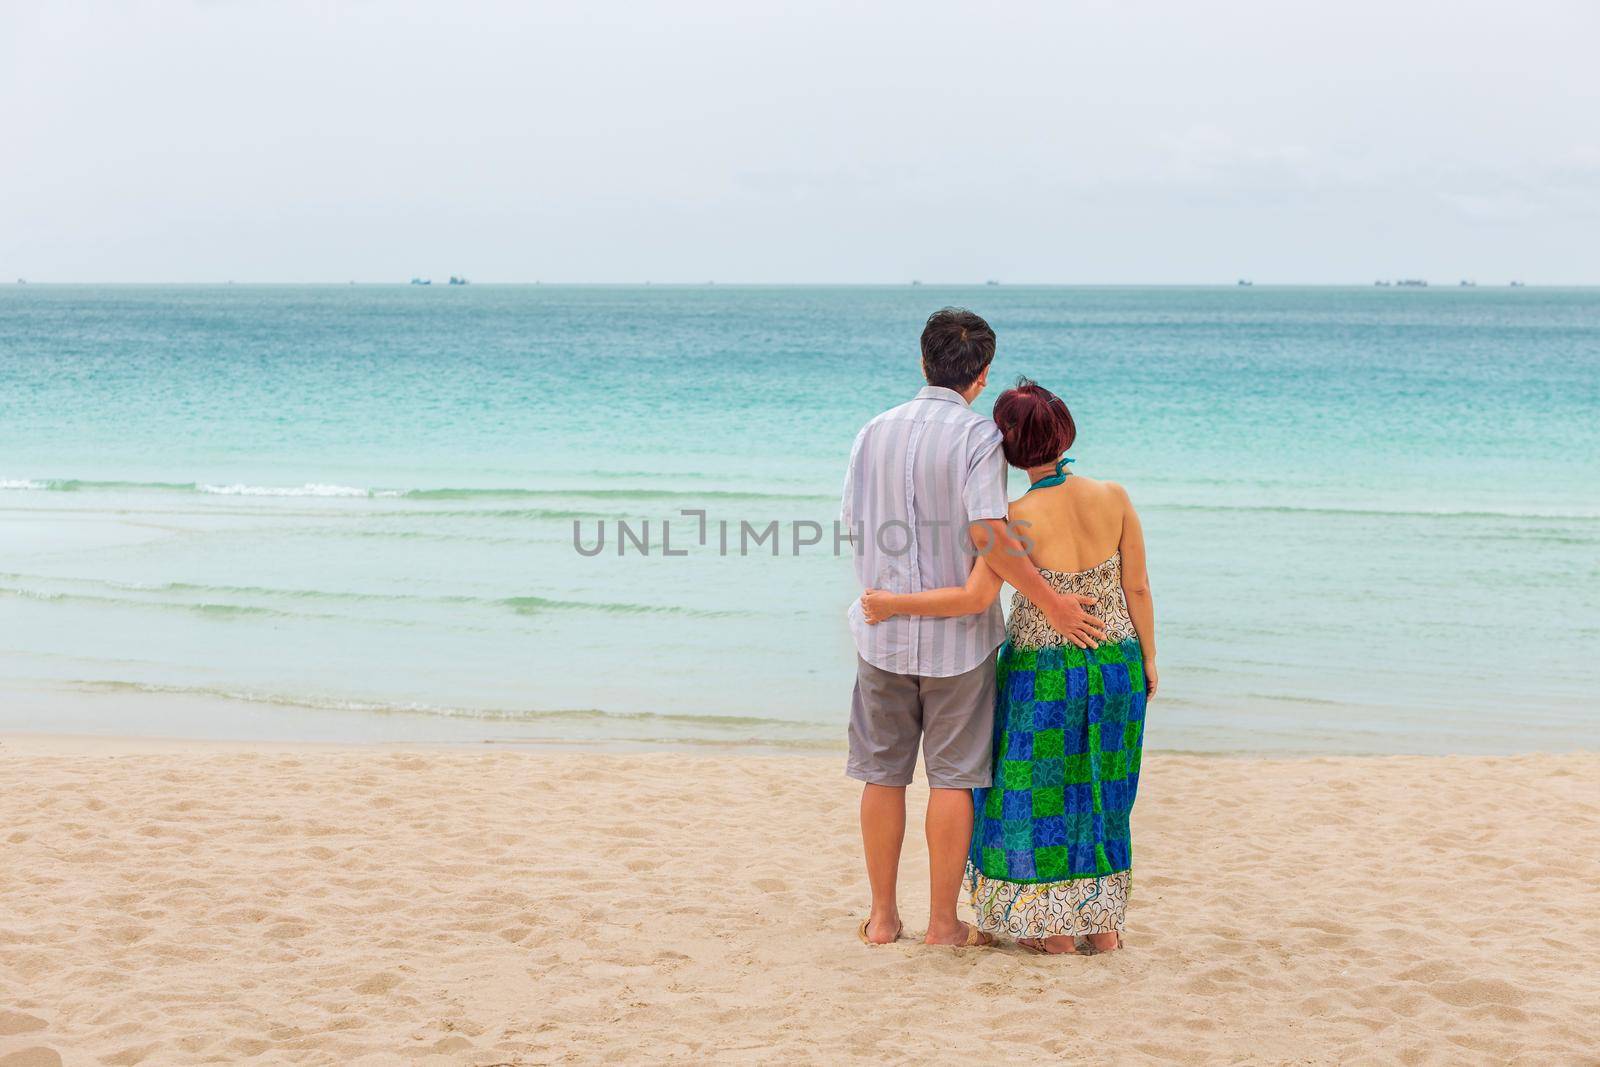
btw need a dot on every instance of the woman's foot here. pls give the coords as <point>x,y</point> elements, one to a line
<point>1050,946</point>
<point>1108,942</point>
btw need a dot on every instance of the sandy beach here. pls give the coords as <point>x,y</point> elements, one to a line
<point>172,903</point>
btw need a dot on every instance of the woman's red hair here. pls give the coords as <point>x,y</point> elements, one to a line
<point>1035,425</point>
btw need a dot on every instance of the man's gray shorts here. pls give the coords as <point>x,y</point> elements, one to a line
<point>952,717</point>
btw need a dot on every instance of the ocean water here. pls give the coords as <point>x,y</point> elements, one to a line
<point>1373,515</point>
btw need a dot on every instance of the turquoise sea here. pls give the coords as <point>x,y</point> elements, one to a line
<point>1373,514</point>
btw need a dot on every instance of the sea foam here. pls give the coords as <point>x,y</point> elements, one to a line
<point>309,489</point>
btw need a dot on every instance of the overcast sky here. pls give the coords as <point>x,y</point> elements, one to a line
<point>588,140</point>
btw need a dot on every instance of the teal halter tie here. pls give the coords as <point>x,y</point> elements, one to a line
<point>1061,475</point>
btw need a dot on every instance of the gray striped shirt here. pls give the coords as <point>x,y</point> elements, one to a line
<point>919,474</point>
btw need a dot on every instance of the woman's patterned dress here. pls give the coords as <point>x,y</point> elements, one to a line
<point>1050,847</point>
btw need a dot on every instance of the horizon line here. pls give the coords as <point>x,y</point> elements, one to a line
<point>1379,283</point>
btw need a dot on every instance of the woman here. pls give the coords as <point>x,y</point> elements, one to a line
<point>1051,857</point>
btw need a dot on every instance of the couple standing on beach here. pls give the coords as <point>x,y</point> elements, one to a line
<point>1030,729</point>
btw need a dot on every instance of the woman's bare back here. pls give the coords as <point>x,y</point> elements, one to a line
<point>1074,526</point>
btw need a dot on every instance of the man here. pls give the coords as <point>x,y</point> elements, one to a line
<point>925,487</point>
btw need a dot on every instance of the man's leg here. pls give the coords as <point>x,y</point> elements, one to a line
<point>958,744</point>
<point>883,831</point>
<point>885,725</point>
<point>949,839</point>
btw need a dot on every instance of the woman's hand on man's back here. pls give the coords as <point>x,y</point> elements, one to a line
<point>875,606</point>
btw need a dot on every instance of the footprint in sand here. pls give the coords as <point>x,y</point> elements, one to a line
<point>1473,992</point>
<point>38,1056</point>
<point>13,1023</point>
<point>16,1022</point>
<point>379,984</point>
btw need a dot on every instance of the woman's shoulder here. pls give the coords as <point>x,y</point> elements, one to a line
<point>1099,487</point>
<point>1106,498</point>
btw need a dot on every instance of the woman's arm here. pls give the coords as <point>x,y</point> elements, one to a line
<point>1136,589</point>
<point>983,585</point>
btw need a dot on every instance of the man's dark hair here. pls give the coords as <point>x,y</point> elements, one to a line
<point>956,346</point>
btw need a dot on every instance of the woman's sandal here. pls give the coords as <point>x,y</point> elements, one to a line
<point>1035,945</point>
<point>861,932</point>
<point>1090,950</point>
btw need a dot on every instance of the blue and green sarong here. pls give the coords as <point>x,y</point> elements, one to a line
<point>1051,850</point>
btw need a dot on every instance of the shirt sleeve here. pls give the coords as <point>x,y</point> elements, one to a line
<point>847,511</point>
<point>984,495</point>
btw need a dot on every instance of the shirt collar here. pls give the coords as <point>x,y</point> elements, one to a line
<point>939,392</point>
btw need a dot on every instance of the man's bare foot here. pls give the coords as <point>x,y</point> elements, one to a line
<point>1055,945</point>
<point>961,935</point>
<point>883,929</point>
<point>1108,942</point>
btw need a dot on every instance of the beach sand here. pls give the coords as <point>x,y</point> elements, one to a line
<point>171,903</point>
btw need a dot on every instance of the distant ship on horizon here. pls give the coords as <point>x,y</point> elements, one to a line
<point>1413,283</point>
<point>1244,281</point>
<point>421,281</point>
<point>457,281</point>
